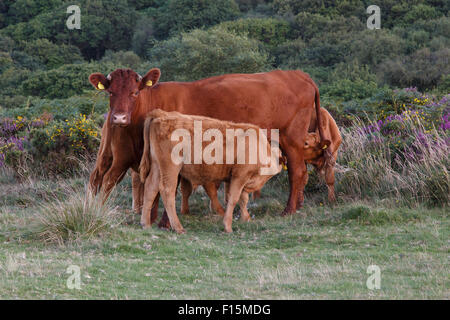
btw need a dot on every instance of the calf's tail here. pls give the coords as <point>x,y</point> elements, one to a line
<point>145,165</point>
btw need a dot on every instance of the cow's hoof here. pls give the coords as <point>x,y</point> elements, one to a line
<point>164,225</point>
<point>287,212</point>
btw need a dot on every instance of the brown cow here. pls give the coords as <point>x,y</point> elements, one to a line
<point>281,100</point>
<point>159,170</point>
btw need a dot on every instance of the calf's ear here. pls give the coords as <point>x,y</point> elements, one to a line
<point>99,81</point>
<point>325,144</point>
<point>150,79</point>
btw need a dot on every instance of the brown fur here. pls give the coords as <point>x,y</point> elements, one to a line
<point>324,160</point>
<point>160,173</point>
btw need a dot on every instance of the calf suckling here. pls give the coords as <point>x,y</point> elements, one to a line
<point>203,151</point>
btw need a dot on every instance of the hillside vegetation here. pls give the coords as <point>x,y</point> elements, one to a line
<point>388,90</point>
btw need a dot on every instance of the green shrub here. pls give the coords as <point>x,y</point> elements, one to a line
<point>52,55</point>
<point>350,82</point>
<point>63,82</point>
<point>200,54</point>
<point>423,69</point>
<point>269,31</point>
<point>177,16</point>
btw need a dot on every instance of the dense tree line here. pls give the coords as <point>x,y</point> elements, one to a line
<point>191,39</point>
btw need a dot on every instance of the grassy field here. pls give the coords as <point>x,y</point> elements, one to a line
<point>322,255</point>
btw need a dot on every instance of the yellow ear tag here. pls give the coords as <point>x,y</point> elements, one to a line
<point>324,147</point>
<point>284,166</point>
<point>149,83</point>
<point>100,86</point>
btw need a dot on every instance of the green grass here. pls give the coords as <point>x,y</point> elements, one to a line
<point>324,255</point>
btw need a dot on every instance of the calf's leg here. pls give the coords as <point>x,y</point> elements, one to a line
<point>168,188</point>
<point>234,194</point>
<point>329,179</point>
<point>243,201</point>
<point>152,184</point>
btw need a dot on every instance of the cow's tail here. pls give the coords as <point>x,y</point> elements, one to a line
<point>318,114</point>
<point>145,165</point>
<point>324,143</point>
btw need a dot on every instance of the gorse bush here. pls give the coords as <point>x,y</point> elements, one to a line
<point>43,146</point>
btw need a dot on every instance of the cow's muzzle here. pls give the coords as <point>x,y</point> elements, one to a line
<point>120,119</point>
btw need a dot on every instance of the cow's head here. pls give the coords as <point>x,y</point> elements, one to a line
<point>124,86</point>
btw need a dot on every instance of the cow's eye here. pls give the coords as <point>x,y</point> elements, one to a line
<point>136,93</point>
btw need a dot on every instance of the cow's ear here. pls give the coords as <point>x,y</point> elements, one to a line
<point>150,79</point>
<point>99,81</point>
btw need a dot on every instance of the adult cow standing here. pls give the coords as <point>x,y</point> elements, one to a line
<point>283,100</point>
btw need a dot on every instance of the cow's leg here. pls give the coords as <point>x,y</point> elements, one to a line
<point>301,196</point>
<point>243,201</point>
<point>186,191</point>
<point>211,191</point>
<point>103,162</point>
<point>152,184</point>
<point>296,172</point>
<point>137,190</point>
<point>114,175</point>
<point>234,194</point>
<point>226,190</point>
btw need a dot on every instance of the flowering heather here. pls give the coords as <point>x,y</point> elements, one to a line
<point>397,158</point>
<point>445,125</point>
<point>8,127</point>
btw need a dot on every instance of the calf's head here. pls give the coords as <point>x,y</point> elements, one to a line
<point>314,149</point>
<point>123,86</point>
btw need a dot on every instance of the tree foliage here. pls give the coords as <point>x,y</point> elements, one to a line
<point>200,54</point>
<point>176,16</point>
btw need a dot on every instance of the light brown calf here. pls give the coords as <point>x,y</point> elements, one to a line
<point>324,160</point>
<point>159,171</point>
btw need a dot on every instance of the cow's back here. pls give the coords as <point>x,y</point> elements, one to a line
<point>269,100</point>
